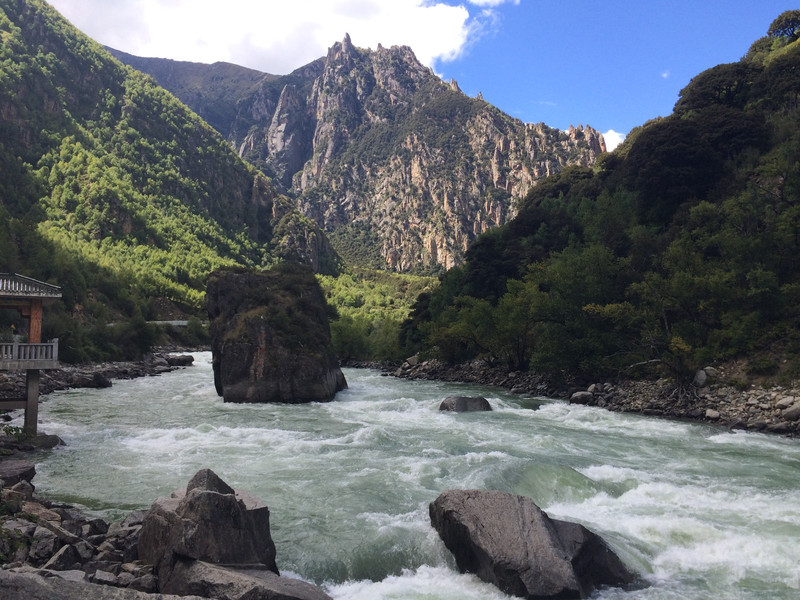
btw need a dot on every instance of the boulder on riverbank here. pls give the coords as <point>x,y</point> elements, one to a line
<point>54,585</point>
<point>214,542</point>
<point>270,336</point>
<point>510,542</point>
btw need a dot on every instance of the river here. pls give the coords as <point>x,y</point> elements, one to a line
<point>698,511</point>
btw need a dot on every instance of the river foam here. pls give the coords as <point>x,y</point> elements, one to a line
<point>698,511</point>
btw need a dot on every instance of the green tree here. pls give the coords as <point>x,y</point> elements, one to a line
<point>787,25</point>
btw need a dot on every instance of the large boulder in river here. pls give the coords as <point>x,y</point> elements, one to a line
<point>465,404</point>
<point>270,336</point>
<point>215,542</point>
<point>510,542</point>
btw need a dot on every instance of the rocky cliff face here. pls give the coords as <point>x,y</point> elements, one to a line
<point>401,169</point>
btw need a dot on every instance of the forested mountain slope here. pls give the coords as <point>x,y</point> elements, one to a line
<point>401,169</point>
<point>115,190</point>
<point>678,249</point>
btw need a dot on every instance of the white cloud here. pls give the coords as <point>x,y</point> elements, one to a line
<point>278,37</point>
<point>613,139</point>
<point>665,74</point>
<point>493,3</point>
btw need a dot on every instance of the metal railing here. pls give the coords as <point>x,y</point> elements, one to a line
<point>29,352</point>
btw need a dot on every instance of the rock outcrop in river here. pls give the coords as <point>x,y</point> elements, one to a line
<point>510,542</point>
<point>270,336</point>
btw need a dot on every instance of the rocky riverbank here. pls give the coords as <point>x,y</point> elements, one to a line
<point>717,395</point>
<point>98,375</point>
<point>207,541</point>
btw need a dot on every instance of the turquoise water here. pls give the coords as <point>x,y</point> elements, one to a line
<point>699,512</point>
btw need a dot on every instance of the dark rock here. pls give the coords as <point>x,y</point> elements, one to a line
<point>104,578</point>
<point>14,470</point>
<point>125,579</point>
<point>93,566</point>
<point>21,526</point>
<point>792,413</point>
<point>206,479</point>
<point>44,545</point>
<point>145,583</point>
<point>700,378</point>
<point>212,581</point>
<point>215,542</point>
<point>581,398</point>
<point>22,490</point>
<point>134,518</point>
<point>270,336</point>
<point>94,527</point>
<point>179,360</point>
<point>465,404</point>
<point>206,525</point>
<point>85,551</point>
<point>65,559</point>
<point>32,586</point>
<point>508,541</point>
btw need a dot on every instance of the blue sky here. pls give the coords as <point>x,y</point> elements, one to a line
<point>613,64</point>
<point>610,64</point>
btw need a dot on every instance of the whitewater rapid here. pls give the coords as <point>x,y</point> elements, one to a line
<point>698,511</point>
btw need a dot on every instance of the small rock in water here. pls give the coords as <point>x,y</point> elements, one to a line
<point>465,404</point>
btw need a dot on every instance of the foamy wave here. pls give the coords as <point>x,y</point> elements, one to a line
<point>423,583</point>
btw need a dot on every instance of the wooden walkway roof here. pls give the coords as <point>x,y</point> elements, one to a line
<point>13,285</point>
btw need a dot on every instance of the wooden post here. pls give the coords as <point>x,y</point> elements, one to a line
<point>35,322</point>
<point>32,402</point>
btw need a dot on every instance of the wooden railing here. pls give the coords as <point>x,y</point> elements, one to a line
<point>25,286</point>
<point>29,352</point>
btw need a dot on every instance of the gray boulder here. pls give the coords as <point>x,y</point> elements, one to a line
<point>792,413</point>
<point>465,404</point>
<point>585,397</point>
<point>50,586</point>
<point>210,539</point>
<point>510,542</point>
<point>209,523</point>
<point>14,470</point>
<point>270,336</point>
<point>212,581</point>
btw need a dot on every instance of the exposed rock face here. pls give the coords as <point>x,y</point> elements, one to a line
<point>402,168</point>
<point>508,541</point>
<point>58,586</point>
<point>465,404</point>
<point>15,470</point>
<point>212,581</point>
<point>270,337</point>
<point>209,523</point>
<point>216,543</point>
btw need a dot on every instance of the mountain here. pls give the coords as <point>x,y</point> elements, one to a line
<point>677,250</point>
<point>401,170</point>
<point>118,192</point>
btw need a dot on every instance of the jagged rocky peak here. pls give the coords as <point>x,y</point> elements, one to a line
<point>343,51</point>
<point>401,168</point>
<point>594,138</point>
